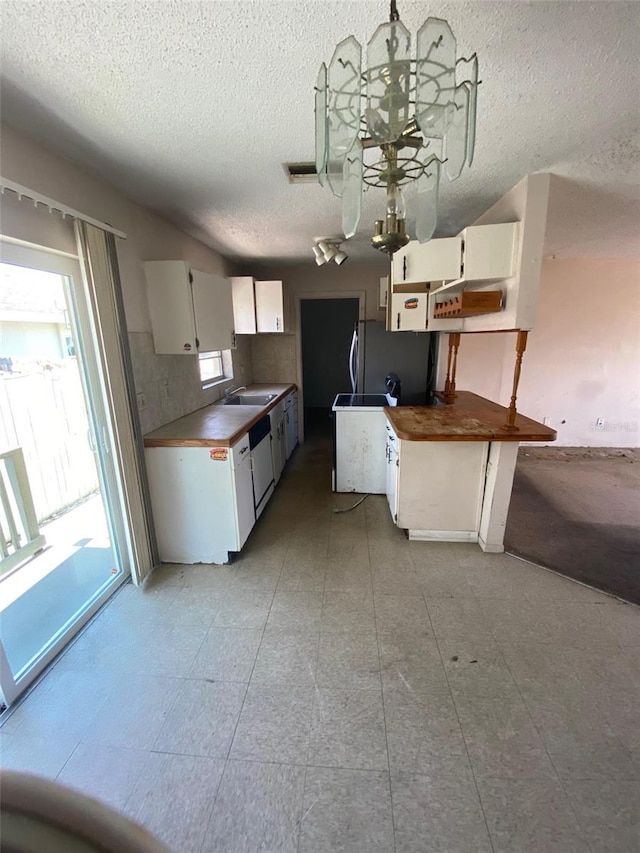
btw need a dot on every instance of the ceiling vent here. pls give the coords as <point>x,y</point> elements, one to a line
<point>301,173</point>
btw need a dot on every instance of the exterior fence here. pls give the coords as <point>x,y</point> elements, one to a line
<point>20,537</point>
<point>44,414</point>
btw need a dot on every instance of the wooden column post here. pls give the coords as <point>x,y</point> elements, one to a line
<point>452,363</point>
<point>521,345</point>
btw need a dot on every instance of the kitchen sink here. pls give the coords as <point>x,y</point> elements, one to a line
<point>250,399</point>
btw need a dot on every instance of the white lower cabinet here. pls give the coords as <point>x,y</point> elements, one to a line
<point>435,488</point>
<point>392,473</point>
<point>202,499</point>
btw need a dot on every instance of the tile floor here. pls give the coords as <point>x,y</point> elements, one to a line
<point>338,688</point>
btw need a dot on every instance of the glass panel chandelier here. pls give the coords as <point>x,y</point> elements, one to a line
<point>400,119</point>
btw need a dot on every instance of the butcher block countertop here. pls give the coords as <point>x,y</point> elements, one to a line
<point>216,425</point>
<point>470,418</point>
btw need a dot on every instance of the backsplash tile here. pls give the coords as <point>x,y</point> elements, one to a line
<point>170,384</point>
<point>274,358</point>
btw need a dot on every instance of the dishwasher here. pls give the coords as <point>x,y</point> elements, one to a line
<point>261,463</point>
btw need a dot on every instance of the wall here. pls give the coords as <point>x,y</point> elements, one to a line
<point>282,353</point>
<point>170,384</point>
<point>583,357</point>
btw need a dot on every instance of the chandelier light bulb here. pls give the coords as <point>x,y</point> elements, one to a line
<point>396,205</point>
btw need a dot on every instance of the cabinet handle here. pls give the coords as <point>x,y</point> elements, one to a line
<point>398,325</point>
<point>244,450</point>
<point>278,324</point>
<point>404,268</point>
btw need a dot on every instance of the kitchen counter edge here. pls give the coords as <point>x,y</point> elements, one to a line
<point>469,418</point>
<point>216,440</point>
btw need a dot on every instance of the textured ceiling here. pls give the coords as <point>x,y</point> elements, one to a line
<point>193,107</point>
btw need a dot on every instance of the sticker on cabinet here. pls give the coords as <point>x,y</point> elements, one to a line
<point>411,303</point>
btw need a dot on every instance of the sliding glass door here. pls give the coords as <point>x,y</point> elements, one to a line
<point>62,534</point>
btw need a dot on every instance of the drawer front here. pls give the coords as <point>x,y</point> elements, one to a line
<point>240,450</point>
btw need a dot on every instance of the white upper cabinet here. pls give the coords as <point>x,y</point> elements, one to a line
<point>489,251</point>
<point>269,306</point>
<point>191,311</point>
<point>408,312</point>
<point>244,305</point>
<point>213,311</point>
<point>258,306</point>
<point>437,260</point>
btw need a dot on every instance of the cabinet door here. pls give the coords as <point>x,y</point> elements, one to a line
<point>171,307</point>
<point>437,260</point>
<point>269,306</point>
<point>408,312</point>
<point>213,309</point>
<point>384,291</point>
<point>392,479</point>
<point>245,512</point>
<point>489,251</point>
<point>244,305</point>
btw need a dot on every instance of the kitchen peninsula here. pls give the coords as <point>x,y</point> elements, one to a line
<point>450,468</point>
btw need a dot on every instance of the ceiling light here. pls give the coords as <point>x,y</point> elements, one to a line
<point>419,120</point>
<point>328,250</point>
<point>320,258</point>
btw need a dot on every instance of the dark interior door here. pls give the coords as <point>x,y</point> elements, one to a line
<point>327,328</point>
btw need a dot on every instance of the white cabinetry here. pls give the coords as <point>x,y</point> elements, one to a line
<point>191,311</point>
<point>489,252</point>
<point>291,421</point>
<point>258,306</point>
<point>244,305</point>
<point>202,499</point>
<point>278,439</point>
<point>384,291</point>
<point>408,312</point>
<point>392,472</point>
<point>269,306</point>
<point>435,488</point>
<point>437,260</point>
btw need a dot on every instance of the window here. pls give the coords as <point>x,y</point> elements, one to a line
<point>211,367</point>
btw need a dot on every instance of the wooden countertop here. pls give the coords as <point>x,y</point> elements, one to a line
<point>470,418</point>
<point>216,425</point>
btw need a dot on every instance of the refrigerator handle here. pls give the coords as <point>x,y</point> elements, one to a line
<point>353,359</point>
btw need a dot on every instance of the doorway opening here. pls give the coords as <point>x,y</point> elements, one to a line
<point>61,524</point>
<point>327,327</point>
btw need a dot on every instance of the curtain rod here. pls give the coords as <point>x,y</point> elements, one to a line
<point>38,198</point>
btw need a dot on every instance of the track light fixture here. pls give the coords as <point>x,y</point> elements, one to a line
<point>328,250</point>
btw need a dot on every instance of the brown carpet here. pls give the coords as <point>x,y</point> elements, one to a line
<point>577,511</point>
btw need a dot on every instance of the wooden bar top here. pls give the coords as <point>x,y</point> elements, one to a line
<point>216,425</point>
<point>470,418</point>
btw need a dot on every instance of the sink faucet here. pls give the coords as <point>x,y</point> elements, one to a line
<point>229,392</point>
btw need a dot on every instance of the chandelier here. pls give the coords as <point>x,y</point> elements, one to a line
<point>399,120</point>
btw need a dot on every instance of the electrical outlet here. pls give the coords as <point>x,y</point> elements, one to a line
<point>141,400</point>
<point>600,423</point>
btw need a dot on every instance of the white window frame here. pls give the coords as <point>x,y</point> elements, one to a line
<point>211,380</point>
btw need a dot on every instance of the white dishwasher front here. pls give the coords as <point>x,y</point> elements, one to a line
<point>261,463</point>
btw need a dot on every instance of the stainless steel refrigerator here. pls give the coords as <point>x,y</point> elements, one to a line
<point>376,353</point>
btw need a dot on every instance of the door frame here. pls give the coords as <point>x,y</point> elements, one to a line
<point>68,266</point>
<point>360,295</point>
